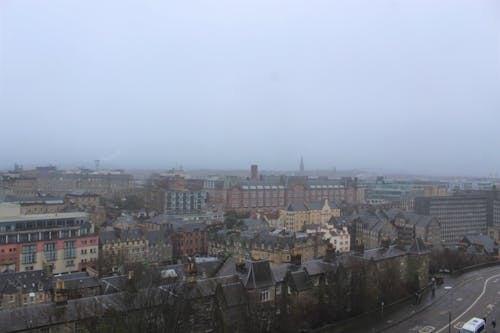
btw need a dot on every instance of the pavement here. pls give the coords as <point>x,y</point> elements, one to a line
<point>474,294</point>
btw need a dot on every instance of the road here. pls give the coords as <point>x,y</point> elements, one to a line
<point>476,295</point>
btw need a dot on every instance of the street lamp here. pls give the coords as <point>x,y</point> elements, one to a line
<point>448,288</point>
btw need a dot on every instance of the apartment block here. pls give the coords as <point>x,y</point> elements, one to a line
<point>65,241</point>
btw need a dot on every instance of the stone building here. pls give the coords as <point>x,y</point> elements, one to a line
<point>296,216</point>
<point>24,289</point>
<point>135,245</point>
<point>371,229</point>
<point>260,246</point>
<point>88,202</point>
<point>410,226</point>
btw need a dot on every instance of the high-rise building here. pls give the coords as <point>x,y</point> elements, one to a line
<point>301,168</point>
<point>254,172</point>
<point>458,215</point>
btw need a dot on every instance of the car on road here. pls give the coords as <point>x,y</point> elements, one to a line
<point>475,325</point>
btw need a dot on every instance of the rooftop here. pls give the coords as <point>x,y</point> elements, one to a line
<point>35,217</point>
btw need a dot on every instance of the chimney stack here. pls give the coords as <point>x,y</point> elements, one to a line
<point>61,294</point>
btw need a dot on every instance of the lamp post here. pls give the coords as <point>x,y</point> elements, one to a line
<point>448,288</point>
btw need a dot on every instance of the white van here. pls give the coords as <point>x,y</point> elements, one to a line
<point>474,325</point>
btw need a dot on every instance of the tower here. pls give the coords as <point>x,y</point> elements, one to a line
<point>254,172</point>
<point>301,168</point>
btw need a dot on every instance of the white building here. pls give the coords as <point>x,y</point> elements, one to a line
<point>339,238</point>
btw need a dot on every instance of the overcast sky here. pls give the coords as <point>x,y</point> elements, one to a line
<point>408,85</point>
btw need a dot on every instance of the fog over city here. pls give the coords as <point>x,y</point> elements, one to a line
<point>368,84</point>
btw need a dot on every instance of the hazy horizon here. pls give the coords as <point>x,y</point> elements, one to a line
<point>408,86</point>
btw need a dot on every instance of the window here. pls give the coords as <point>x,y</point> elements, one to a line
<point>69,250</point>
<point>50,252</point>
<point>29,254</point>
<point>11,299</point>
<point>70,263</point>
<point>264,295</point>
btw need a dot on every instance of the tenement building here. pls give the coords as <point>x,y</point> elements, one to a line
<point>135,245</point>
<point>410,226</point>
<point>296,216</point>
<point>275,248</point>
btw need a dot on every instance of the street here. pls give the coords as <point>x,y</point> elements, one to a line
<point>476,295</point>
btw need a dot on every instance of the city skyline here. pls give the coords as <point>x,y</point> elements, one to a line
<point>386,85</point>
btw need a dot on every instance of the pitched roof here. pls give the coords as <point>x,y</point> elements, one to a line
<point>301,280</point>
<point>418,247</point>
<point>259,275</point>
<point>383,253</point>
<point>234,294</point>
<point>318,266</point>
<point>279,272</point>
<point>227,268</point>
<point>27,281</point>
<point>410,217</point>
<point>487,243</point>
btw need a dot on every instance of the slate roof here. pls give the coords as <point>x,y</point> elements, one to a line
<point>113,284</point>
<point>228,267</point>
<point>279,272</point>
<point>259,275</point>
<point>234,294</point>
<point>318,266</point>
<point>371,221</point>
<point>418,247</point>
<point>78,280</point>
<point>133,234</point>
<point>487,243</point>
<point>27,281</point>
<point>383,253</point>
<point>208,268</point>
<point>39,315</point>
<point>310,205</point>
<point>206,287</point>
<point>301,280</point>
<point>187,226</point>
<point>255,224</point>
<point>410,217</point>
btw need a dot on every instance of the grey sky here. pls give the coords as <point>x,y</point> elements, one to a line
<point>409,85</point>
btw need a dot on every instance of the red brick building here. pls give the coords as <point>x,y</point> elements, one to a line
<point>189,239</point>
